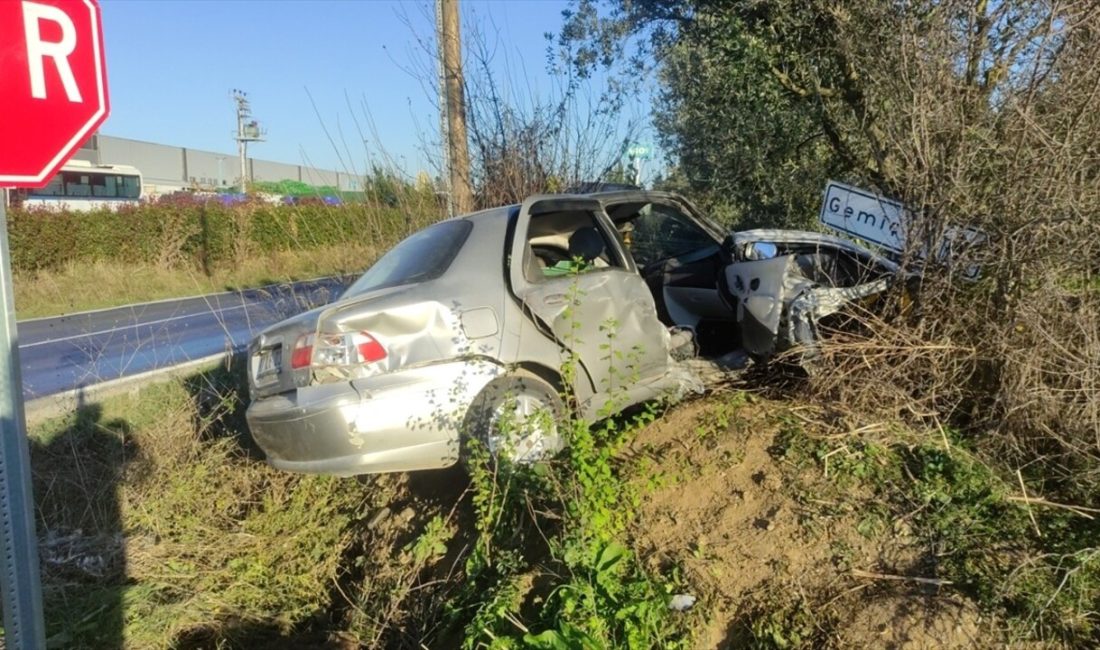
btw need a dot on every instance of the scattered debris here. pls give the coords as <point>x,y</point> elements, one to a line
<point>681,602</point>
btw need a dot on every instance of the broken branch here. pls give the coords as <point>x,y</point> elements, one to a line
<point>890,576</point>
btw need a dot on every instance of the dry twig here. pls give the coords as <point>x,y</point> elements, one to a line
<point>1027,504</point>
<point>1080,511</point>
<point>939,582</point>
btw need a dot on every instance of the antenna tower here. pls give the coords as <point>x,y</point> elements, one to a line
<point>248,130</point>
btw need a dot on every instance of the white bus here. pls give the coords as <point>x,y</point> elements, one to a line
<point>82,186</point>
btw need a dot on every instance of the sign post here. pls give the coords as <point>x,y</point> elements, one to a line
<point>53,85</point>
<point>22,591</point>
<point>636,153</point>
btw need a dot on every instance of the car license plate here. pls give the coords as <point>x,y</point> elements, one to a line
<point>269,363</point>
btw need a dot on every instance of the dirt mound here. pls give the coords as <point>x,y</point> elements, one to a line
<point>912,622</point>
<point>771,549</point>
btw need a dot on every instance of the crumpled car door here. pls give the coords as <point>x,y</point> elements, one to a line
<point>760,290</point>
<point>781,297</point>
<point>606,316</point>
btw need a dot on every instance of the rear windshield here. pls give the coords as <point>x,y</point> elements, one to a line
<point>420,257</point>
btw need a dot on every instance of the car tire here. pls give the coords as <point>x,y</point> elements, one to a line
<point>516,417</point>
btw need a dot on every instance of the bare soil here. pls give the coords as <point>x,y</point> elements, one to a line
<point>773,549</point>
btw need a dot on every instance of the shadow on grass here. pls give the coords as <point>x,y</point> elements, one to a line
<point>77,472</point>
<point>220,396</point>
<point>253,634</point>
<point>402,508</point>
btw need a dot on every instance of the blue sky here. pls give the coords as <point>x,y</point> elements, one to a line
<point>171,65</point>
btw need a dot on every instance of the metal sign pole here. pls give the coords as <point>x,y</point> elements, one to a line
<point>19,581</point>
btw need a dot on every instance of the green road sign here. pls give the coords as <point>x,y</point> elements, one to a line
<point>636,150</point>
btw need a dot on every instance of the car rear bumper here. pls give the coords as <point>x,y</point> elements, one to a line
<point>400,421</point>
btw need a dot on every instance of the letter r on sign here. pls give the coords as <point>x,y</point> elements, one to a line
<point>38,50</point>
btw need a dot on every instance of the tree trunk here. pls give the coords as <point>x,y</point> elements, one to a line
<point>456,109</point>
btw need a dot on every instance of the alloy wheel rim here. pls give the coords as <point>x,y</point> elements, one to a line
<point>528,426</point>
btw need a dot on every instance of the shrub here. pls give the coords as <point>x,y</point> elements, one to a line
<point>179,232</point>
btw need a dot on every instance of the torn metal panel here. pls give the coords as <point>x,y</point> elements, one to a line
<point>810,306</point>
<point>607,319</point>
<point>412,334</point>
<point>682,380</point>
<point>762,289</point>
<point>780,300</point>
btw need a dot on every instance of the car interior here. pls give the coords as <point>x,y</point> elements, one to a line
<point>557,240</point>
<point>680,262</point>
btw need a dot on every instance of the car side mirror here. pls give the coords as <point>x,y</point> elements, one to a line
<point>762,250</point>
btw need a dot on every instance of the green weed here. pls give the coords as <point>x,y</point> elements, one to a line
<point>785,625</point>
<point>1041,577</point>
<point>594,593</point>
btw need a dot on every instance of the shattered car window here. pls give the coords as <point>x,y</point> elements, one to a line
<point>421,257</point>
<point>661,232</point>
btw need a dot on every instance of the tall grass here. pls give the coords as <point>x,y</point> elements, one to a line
<point>181,246</point>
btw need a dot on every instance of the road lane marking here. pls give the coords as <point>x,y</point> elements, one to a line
<point>82,335</point>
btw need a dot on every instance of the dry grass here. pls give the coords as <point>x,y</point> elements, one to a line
<point>93,285</point>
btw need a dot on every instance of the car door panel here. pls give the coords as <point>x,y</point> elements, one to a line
<point>779,300</point>
<point>759,290</point>
<point>689,288</point>
<point>604,316</point>
<point>608,320</point>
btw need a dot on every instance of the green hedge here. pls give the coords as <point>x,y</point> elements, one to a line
<point>200,233</point>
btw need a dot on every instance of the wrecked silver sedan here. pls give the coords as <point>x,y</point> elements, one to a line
<point>761,291</point>
<point>463,328</point>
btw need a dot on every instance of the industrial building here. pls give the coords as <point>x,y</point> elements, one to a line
<point>166,168</point>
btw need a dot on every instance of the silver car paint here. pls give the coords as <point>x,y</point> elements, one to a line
<point>446,339</point>
<point>396,422</point>
<point>605,316</point>
<point>769,289</point>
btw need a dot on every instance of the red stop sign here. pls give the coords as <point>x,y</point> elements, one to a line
<point>53,85</point>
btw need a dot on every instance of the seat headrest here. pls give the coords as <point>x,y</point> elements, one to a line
<point>586,243</point>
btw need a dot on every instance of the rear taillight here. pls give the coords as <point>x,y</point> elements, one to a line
<point>348,349</point>
<point>303,351</point>
<point>370,350</point>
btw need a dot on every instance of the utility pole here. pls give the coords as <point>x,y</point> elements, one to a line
<point>457,153</point>
<point>248,130</point>
<point>444,135</point>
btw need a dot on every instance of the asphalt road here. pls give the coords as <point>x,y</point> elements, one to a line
<point>78,350</point>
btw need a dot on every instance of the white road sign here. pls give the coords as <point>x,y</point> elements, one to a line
<point>636,150</point>
<point>865,215</point>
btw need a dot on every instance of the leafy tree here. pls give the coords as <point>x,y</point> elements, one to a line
<point>751,148</point>
<point>975,113</point>
<point>761,101</point>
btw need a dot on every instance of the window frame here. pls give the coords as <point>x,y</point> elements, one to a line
<point>453,232</point>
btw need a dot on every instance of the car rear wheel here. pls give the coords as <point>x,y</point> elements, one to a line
<point>516,417</point>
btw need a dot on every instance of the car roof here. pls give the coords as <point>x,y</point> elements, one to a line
<point>499,213</point>
<point>505,212</point>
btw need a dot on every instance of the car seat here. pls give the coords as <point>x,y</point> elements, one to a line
<point>587,243</point>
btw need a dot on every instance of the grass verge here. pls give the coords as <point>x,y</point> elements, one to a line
<point>160,528</point>
<point>82,286</point>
